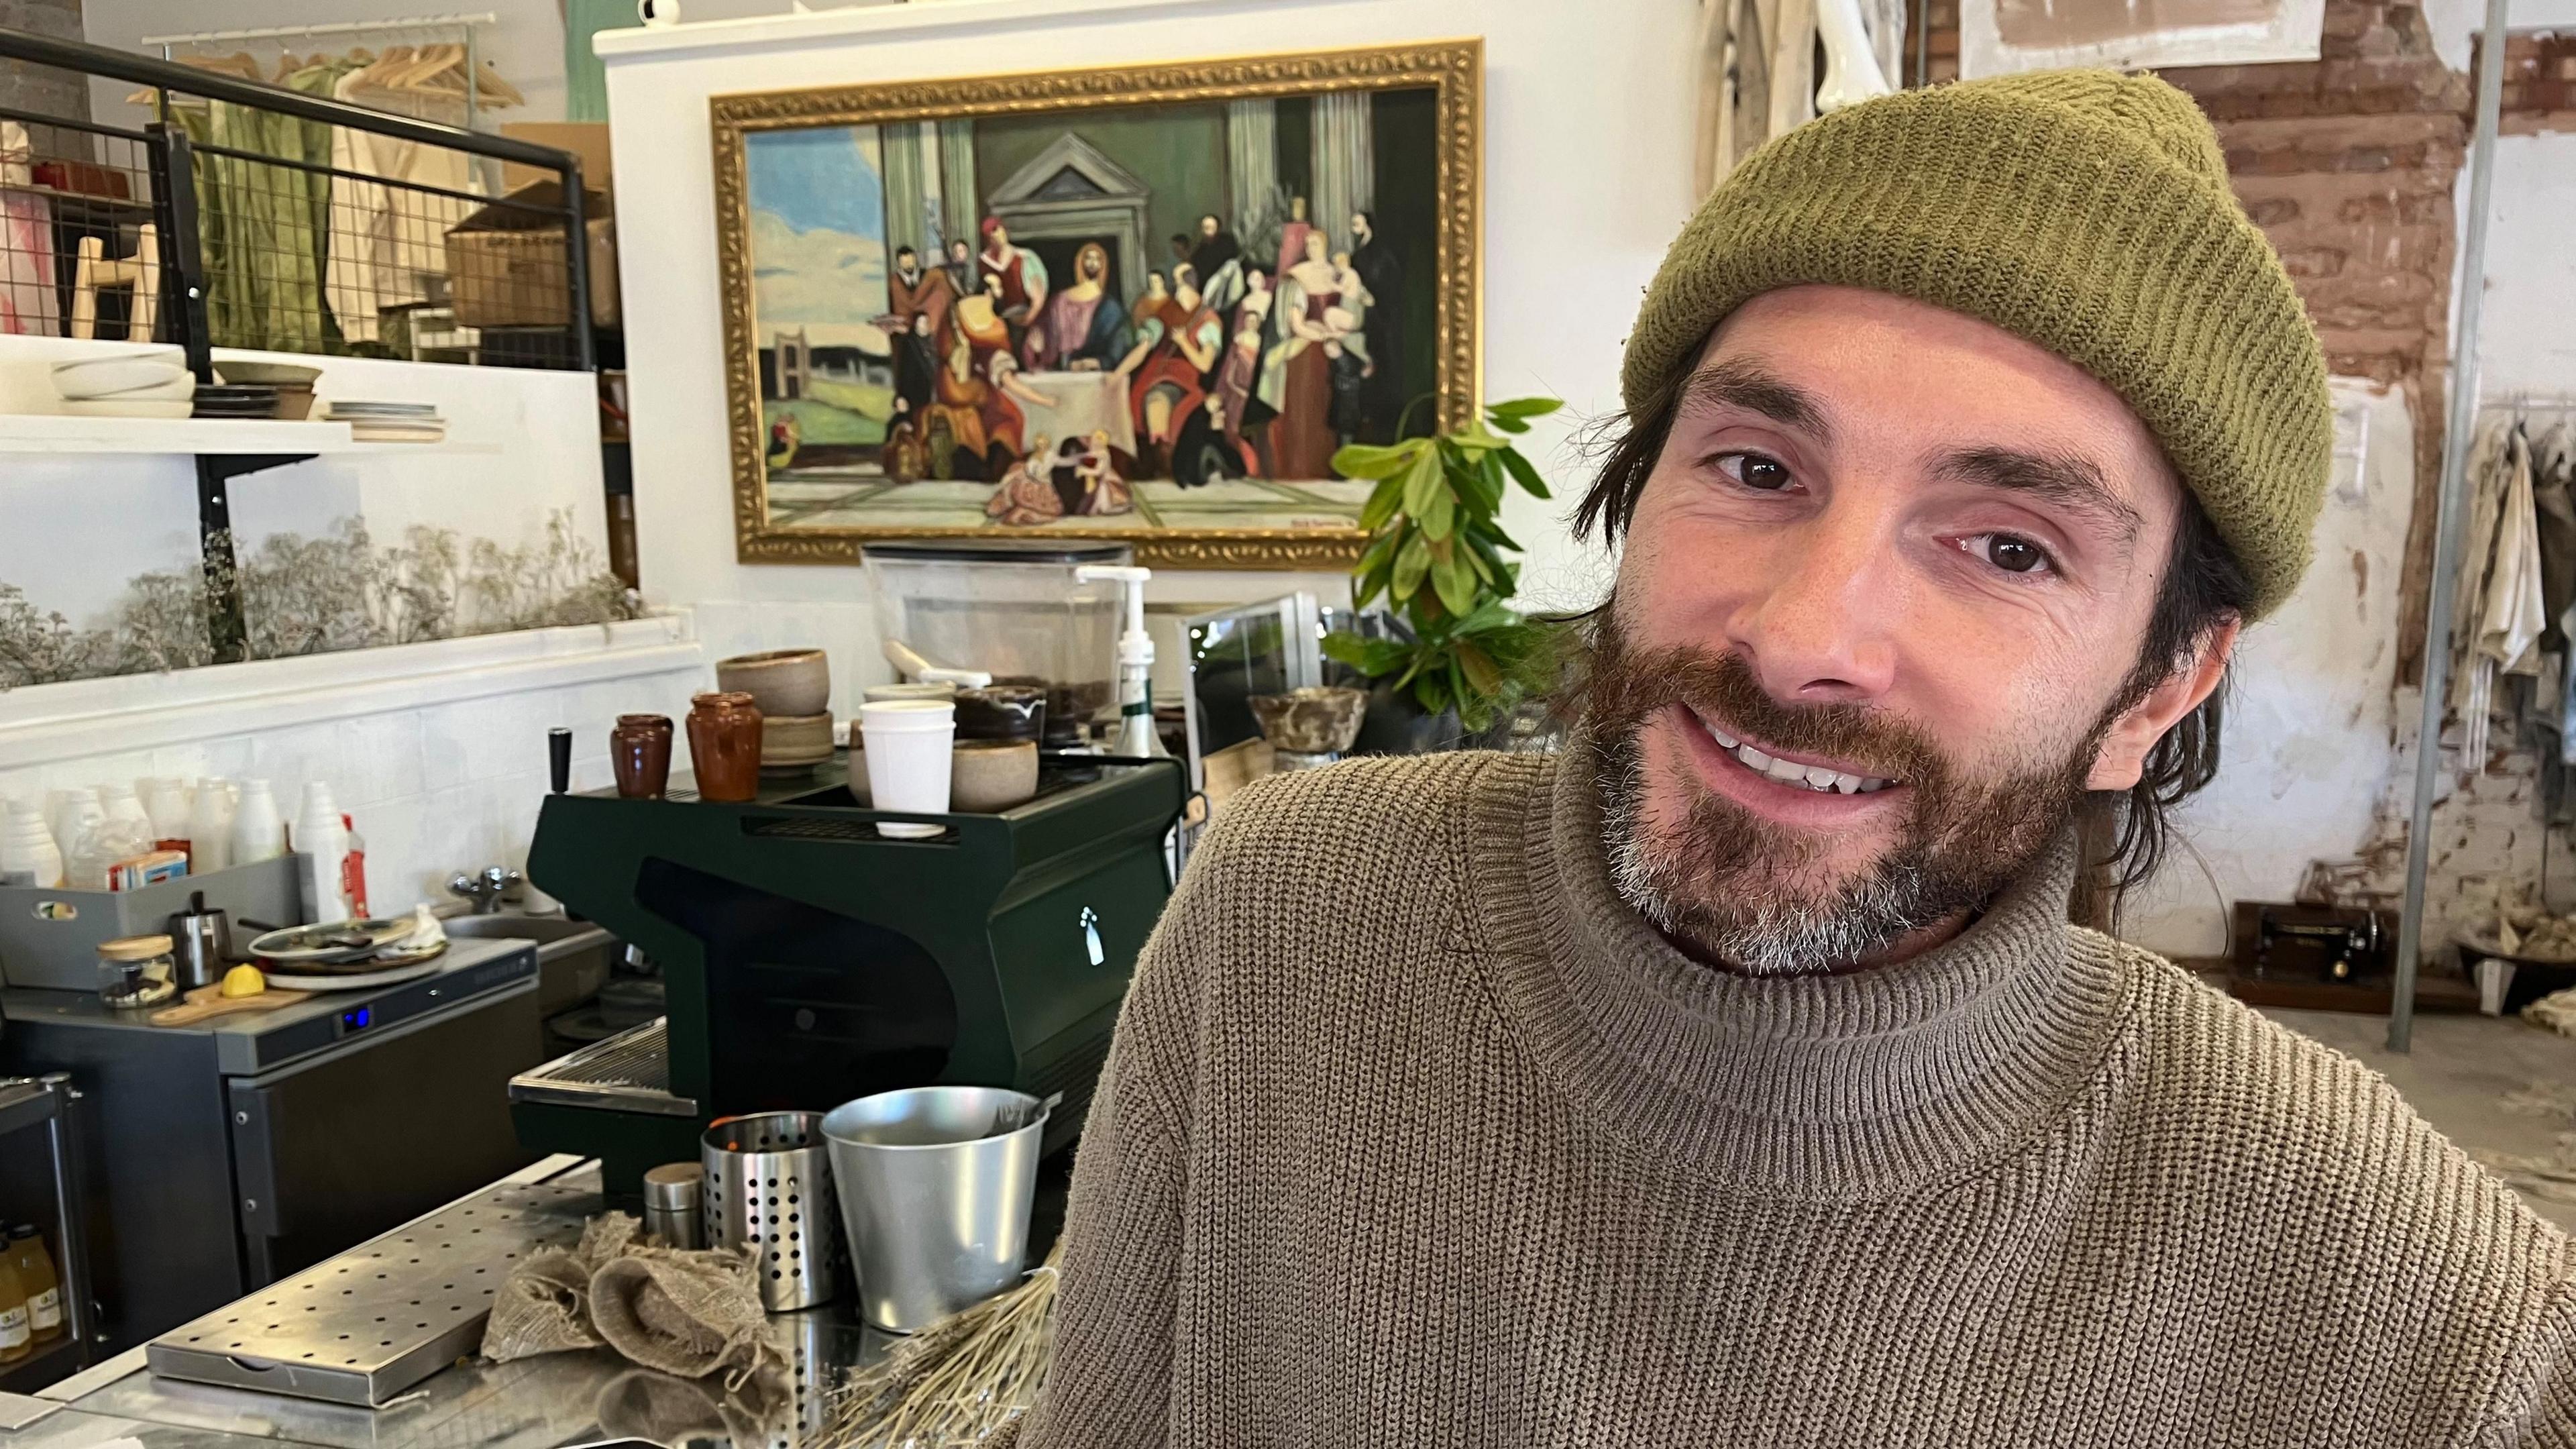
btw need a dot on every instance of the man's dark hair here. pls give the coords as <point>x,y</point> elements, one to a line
<point>905,252</point>
<point>2205,587</point>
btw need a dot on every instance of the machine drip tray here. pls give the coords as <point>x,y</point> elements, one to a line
<point>328,1332</point>
<point>629,1072</point>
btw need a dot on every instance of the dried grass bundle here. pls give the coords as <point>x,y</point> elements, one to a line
<point>958,1381</point>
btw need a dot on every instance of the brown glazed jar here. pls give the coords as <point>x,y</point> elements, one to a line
<point>639,750</point>
<point>724,745</point>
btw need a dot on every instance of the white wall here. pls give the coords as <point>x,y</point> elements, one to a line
<point>521,444</point>
<point>2307,753</point>
<point>1587,178</point>
<point>437,751</point>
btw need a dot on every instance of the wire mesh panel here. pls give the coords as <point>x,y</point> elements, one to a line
<point>82,230</point>
<point>332,239</point>
<point>276,212</point>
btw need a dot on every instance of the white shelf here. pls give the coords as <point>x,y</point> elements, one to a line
<point>63,433</point>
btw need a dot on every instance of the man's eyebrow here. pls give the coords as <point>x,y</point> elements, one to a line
<point>2061,478</point>
<point>1743,384</point>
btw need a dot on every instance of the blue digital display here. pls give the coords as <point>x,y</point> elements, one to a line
<point>356,1020</point>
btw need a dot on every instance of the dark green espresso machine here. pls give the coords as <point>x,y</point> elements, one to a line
<point>810,960</point>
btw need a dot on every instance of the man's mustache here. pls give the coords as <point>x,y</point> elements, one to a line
<point>1623,688</point>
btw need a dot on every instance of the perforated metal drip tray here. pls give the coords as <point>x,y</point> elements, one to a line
<point>630,1072</point>
<point>367,1325</point>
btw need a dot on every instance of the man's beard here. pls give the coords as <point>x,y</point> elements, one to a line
<point>1740,889</point>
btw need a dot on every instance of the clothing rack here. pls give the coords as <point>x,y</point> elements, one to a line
<point>466,26</point>
<point>2451,518</point>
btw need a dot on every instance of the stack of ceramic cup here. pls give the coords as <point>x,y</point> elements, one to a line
<point>793,688</point>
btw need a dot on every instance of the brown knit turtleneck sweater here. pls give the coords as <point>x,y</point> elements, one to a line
<point>1414,1135</point>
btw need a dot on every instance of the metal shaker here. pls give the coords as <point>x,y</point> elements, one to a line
<point>202,941</point>
<point>671,1203</point>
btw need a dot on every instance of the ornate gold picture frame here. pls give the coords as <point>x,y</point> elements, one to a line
<point>1143,303</point>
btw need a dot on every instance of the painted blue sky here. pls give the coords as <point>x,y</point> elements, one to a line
<point>822,179</point>
<point>818,233</point>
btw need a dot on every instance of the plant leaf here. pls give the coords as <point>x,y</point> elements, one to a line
<point>1454,584</point>
<point>1360,460</point>
<point>1525,407</point>
<point>1421,482</point>
<point>1475,437</point>
<point>1410,563</point>
<point>1486,617</point>
<point>1482,673</point>
<point>1527,475</point>
<point>1507,425</point>
<point>1485,483</point>
<point>1441,518</point>
<point>1381,503</point>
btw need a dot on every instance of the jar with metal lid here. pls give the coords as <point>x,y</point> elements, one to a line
<point>136,971</point>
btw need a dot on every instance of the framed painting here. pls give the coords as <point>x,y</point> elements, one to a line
<point>1145,303</point>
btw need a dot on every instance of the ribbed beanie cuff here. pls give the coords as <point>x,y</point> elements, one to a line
<point>2086,211</point>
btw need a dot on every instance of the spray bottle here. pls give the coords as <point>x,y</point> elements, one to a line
<point>1135,734</point>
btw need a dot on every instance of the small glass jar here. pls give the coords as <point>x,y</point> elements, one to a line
<point>136,971</point>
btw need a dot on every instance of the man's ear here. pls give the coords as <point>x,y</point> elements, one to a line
<point>2123,757</point>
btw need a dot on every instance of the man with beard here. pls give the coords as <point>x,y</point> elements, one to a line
<point>1734,1077</point>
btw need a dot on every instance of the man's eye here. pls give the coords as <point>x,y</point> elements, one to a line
<point>2009,552</point>
<point>1754,470</point>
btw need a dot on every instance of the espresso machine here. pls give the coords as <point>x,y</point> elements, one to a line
<point>809,959</point>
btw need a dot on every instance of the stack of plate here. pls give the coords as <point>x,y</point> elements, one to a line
<point>246,400</point>
<point>388,422</point>
<point>142,382</point>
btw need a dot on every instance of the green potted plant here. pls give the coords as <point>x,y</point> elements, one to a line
<point>1438,556</point>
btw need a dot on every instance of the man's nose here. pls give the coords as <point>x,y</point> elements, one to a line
<point>1820,632</point>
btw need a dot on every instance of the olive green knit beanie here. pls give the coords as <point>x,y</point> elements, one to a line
<point>2086,211</point>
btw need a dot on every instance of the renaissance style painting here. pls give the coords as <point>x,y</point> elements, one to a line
<point>1146,304</point>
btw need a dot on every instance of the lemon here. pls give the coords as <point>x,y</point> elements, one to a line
<point>244,981</point>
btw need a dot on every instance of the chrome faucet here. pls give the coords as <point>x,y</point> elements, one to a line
<point>485,890</point>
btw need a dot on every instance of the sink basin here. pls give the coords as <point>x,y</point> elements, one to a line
<point>549,929</point>
<point>573,957</point>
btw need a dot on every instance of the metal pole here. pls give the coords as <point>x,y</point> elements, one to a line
<point>2451,519</point>
<point>71,1202</point>
<point>577,278</point>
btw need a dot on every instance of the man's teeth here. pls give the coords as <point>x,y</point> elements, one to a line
<point>1812,777</point>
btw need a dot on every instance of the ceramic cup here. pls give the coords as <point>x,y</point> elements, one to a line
<point>908,746</point>
<point>789,683</point>
<point>990,775</point>
<point>639,750</point>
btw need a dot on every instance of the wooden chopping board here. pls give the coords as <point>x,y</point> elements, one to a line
<point>207,1002</point>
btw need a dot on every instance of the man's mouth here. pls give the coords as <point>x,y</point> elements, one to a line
<point>1819,777</point>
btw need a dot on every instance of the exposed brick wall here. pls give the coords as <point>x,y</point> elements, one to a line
<point>2348,163</point>
<point>2539,82</point>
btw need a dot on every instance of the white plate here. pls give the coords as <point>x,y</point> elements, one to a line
<point>119,375</point>
<point>178,387</point>
<point>380,932</point>
<point>117,407</point>
<point>287,980</point>
<point>165,355</point>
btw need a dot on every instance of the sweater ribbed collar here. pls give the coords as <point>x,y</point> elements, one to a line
<point>1837,1087</point>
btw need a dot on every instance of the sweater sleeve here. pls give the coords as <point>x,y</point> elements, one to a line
<point>2535,1405</point>
<point>1110,1385</point>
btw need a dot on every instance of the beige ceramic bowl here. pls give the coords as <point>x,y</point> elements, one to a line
<point>989,775</point>
<point>794,741</point>
<point>792,682</point>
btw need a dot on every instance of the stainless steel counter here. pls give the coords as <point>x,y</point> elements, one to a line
<point>539,1403</point>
